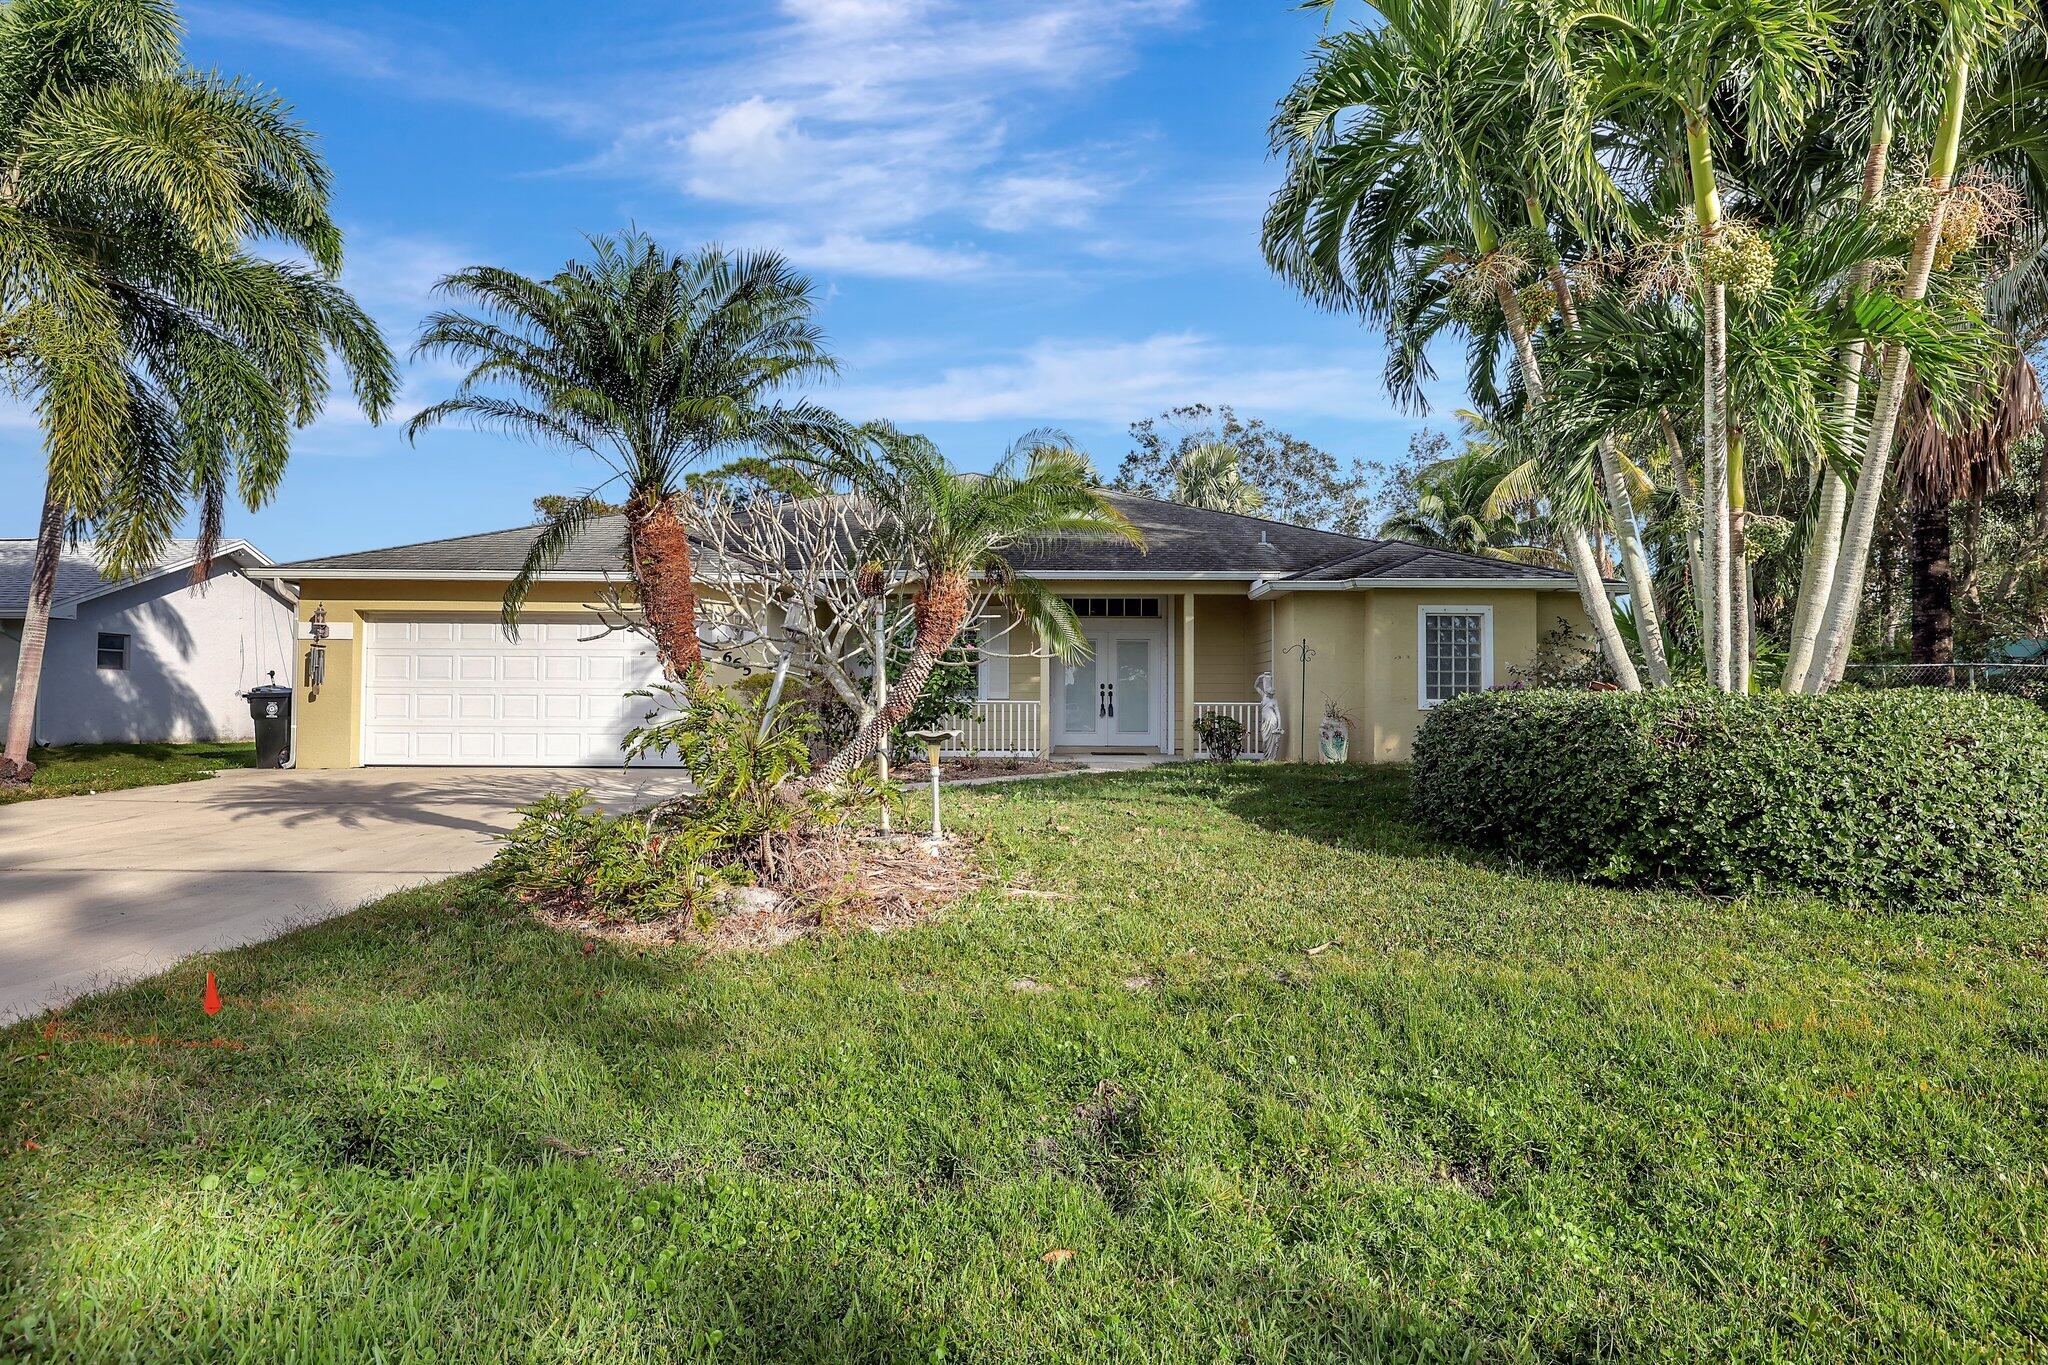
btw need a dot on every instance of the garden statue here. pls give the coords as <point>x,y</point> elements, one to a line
<point>1271,727</point>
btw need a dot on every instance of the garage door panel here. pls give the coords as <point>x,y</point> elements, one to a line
<point>462,692</point>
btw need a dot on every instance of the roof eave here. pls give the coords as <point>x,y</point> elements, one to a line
<point>1275,588</point>
<point>67,610</point>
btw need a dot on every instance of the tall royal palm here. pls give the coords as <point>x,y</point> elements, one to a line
<point>167,363</point>
<point>1412,195</point>
<point>651,362</point>
<point>949,532</point>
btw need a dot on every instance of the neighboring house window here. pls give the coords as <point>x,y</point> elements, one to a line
<point>1454,648</point>
<point>113,650</point>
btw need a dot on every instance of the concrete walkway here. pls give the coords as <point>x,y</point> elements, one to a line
<point>95,890</point>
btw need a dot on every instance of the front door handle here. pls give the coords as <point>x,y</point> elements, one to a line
<point>1105,701</point>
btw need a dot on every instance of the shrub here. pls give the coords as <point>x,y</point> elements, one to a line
<point>567,854</point>
<point>675,859</point>
<point>1909,798</point>
<point>1222,735</point>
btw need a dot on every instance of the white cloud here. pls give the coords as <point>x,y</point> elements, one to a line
<point>396,272</point>
<point>870,119</point>
<point>1117,381</point>
<point>1028,202</point>
<point>857,124</point>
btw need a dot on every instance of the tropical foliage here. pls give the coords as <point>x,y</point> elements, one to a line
<point>1736,280</point>
<point>650,362</point>
<point>1908,797</point>
<point>944,531</point>
<point>167,361</point>
<point>1211,457</point>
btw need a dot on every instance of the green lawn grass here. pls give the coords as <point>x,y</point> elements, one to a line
<point>78,769</point>
<point>1303,1086</point>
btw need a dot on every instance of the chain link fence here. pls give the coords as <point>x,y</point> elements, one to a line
<point>1991,676</point>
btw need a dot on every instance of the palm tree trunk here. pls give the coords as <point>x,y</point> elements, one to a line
<point>35,635</point>
<point>941,611</point>
<point>1824,544</point>
<point>1845,593</point>
<point>1715,547</point>
<point>1934,637</point>
<point>1599,611</point>
<point>1716,533</point>
<point>1635,564</point>
<point>1578,546</point>
<point>1695,554</point>
<point>660,550</point>
<point>1741,617</point>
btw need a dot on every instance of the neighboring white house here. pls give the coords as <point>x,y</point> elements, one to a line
<point>153,658</point>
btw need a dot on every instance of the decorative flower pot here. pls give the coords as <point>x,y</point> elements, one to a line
<point>1336,742</point>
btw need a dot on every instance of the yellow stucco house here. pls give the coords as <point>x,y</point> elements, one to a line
<point>408,664</point>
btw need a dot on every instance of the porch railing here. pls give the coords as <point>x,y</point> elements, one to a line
<point>999,729</point>
<point>1246,714</point>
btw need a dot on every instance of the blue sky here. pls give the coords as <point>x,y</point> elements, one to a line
<point>1018,213</point>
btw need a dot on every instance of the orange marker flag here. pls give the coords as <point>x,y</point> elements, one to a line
<point>210,1002</point>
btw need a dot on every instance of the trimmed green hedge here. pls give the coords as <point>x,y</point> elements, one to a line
<point>1913,797</point>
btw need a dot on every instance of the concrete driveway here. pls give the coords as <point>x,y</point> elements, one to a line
<point>100,889</point>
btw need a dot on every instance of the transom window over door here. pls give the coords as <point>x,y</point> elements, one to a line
<point>1454,652</point>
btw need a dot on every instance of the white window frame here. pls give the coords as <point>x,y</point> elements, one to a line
<point>100,651</point>
<point>1422,615</point>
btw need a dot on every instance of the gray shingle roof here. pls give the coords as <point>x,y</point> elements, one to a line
<point>1403,559</point>
<point>78,571</point>
<point>600,548</point>
<point>1178,540</point>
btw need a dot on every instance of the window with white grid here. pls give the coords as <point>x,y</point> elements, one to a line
<point>1455,651</point>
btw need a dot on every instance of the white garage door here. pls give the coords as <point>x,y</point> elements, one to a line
<point>457,691</point>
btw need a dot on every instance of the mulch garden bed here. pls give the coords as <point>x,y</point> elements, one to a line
<point>838,881</point>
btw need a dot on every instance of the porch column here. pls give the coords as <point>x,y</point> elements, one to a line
<point>1045,705</point>
<point>1185,730</point>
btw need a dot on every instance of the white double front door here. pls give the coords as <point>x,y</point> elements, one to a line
<point>1116,698</point>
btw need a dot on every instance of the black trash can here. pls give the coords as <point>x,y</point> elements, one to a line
<point>271,707</point>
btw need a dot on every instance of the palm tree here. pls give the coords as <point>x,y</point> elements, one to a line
<point>1456,504</point>
<point>1969,47</point>
<point>947,530</point>
<point>166,361</point>
<point>1939,467</point>
<point>650,362</point>
<point>1686,64</point>
<point>1414,157</point>
<point>1208,475</point>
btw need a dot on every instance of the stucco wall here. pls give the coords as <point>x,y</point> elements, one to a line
<point>1365,657</point>
<point>330,717</point>
<point>191,651</point>
<point>1364,643</point>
